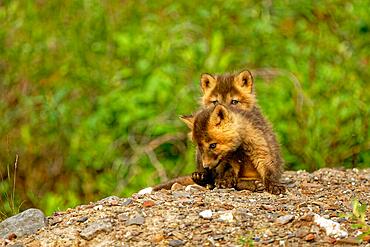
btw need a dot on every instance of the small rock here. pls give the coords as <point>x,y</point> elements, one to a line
<point>310,237</point>
<point>54,220</point>
<point>157,238</point>
<point>302,232</point>
<point>122,217</point>
<point>147,204</point>
<point>282,220</point>
<point>136,220</point>
<point>307,217</point>
<point>194,187</point>
<point>267,207</point>
<point>179,194</point>
<point>25,223</point>
<point>82,219</point>
<point>148,190</point>
<point>175,242</point>
<point>226,216</point>
<point>206,214</point>
<point>127,202</point>
<point>177,186</point>
<point>332,228</point>
<point>93,229</point>
<point>98,207</point>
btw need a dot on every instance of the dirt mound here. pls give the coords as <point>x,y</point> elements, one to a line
<point>194,216</point>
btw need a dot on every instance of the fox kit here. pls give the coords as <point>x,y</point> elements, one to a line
<point>234,141</point>
<point>236,91</point>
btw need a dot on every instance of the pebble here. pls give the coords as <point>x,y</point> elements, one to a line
<point>175,242</point>
<point>127,202</point>
<point>282,220</point>
<point>98,207</point>
<point>82,219</point>
<point>177,186</point>
<point>148,190</point>
<point>194,187</point>
<point>226,216</point>
<point>136,220</point>
<point>96,227</point>
<point>147,204</point>
<point>310,237</point>
<point>206,214</point>
<point>178,194</point>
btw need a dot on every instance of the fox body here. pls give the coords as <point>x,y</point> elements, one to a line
<point>239,165</point>
<point>235,141</point>
<point>236,92</point>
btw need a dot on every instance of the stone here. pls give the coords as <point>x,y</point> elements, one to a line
<point>310,237</point>
<point>25,223</point>
<point>148,190</point>
<point>136,220</point>
<point>194,187</point>
<point>226,216</point>
<point>175,242</point>
<point>177,186</point>
<point>282,220</point>
<point>127,202</point>
<point>147,204</point>
<point>96,227</point>
<point>82,219</point>
<point>206,214</point>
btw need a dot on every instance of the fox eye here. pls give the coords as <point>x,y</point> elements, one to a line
<point>212,145</point>
<point>234,102</point>
<point>214,102</point>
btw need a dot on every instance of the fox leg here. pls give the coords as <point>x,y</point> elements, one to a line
<point>252,184</point>
<point>267,167</point>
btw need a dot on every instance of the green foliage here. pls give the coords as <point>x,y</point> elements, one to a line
<point>358,219</point>
<point>358,216</point>
<point>90,91</point>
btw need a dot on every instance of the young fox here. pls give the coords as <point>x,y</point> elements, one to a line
<point>235,141</point>
<point>236,92</point>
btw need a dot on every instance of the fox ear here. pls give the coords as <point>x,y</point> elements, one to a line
<point>207,82</point>
<point>244,80</point>
<point>219,115</point>
<point>188,120</point>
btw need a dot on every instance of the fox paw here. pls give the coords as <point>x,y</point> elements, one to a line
<point>200,178</point>
<point>275,188</point>
<point>252,185</point>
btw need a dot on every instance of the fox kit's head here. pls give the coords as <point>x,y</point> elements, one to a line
<point>234,91</point>
<point>215,131</point>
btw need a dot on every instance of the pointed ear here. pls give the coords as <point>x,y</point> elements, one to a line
<point>207,82</point>
<point>188,120</point>
<point>219,115</point>
<point>244,80</point>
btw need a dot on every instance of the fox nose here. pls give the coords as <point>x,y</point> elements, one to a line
<point>205,165</point>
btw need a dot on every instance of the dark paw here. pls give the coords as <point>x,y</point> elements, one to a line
<point>275,188</point>
<point>200,178</point>
<point>252,185</point>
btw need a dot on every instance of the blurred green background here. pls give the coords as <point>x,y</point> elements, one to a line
<point>90,91</point>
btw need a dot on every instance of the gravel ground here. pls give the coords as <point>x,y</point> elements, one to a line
<point>222,217</point>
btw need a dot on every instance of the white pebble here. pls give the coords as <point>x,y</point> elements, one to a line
<point>226,216</point>
<point>98,207</point>
<point>206,214</point>
<point>332,228</point>
<point>148,190</point>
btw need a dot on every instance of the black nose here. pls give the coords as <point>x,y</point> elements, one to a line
<point>206,166</point>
